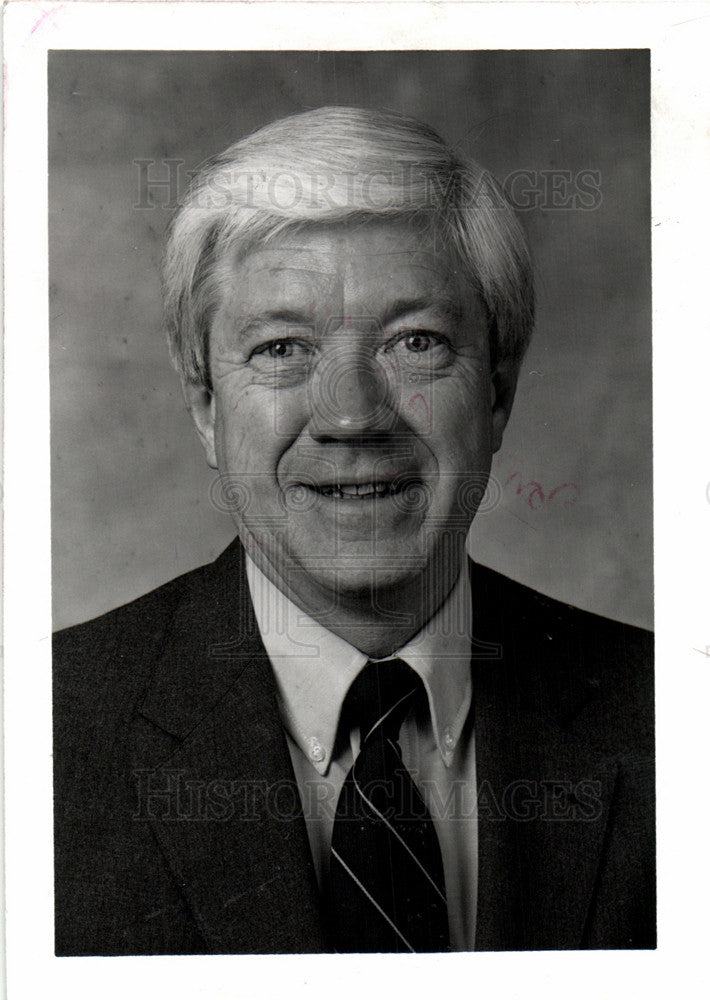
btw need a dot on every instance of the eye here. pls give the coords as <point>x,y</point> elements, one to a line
<point>284,349</point>
<point>284,359</point>
<point>277,349</point>
<point>419,341</point>
<point>424,349</point>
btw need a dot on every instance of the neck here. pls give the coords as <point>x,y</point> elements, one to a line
<point>376,620</point>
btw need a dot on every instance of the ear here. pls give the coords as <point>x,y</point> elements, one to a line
<point>504,380</point>
<point>201,404</point>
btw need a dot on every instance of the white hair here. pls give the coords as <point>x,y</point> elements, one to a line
<point>331,165</point>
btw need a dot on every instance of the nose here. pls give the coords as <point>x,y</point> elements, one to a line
<point>349,397</point>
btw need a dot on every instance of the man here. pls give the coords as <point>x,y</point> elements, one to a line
<point>342,735</point>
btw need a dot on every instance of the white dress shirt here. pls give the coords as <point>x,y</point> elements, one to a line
<point>314,669</point>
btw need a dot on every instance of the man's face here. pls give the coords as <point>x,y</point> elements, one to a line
<point>352,410</point>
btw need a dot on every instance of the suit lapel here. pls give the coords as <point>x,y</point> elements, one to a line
<point>231,827</point>
<point>544,788</point>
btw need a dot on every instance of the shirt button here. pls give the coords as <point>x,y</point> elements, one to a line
<point>449,741</point>
<point>317,752</point>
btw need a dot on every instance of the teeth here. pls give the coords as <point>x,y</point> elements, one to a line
<point>353,490</point>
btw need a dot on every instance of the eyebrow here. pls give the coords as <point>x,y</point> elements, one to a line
<point>276,316</point>
<point>448,308</point>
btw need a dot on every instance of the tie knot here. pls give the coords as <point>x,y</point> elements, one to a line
<point>381,696</point>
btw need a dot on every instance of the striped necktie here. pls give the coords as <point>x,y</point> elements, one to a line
<point>386,884</point>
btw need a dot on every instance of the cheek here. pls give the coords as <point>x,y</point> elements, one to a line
<point>254,427</point>
<point>455,419</point>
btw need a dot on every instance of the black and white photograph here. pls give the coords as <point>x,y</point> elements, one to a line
<point>356,497</point>
<point>349,731</point>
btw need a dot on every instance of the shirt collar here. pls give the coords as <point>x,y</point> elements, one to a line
<point>314,668</point>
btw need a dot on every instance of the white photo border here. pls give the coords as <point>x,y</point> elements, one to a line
<point>678,36</point>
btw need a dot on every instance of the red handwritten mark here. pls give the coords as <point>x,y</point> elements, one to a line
<point>565,486</point>
<point>535,495</point>
<point>43,18</point>
<point>413,403</point>
<point>521,519</point>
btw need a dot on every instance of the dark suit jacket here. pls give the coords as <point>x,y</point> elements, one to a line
<point>175,831</point>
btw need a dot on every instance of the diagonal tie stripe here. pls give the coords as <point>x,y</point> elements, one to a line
<point>372,900</point>
<point>386,882</point>
<point>402,702</point>
<point>395,833</point>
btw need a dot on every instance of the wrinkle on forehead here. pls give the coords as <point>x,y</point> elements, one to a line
<point>350,265</point>
<point>343,270</point>
<point>327,245</point>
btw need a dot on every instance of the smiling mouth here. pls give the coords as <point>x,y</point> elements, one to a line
<point>362,491</point>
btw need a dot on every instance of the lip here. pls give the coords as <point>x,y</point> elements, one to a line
<point>353,492</point>
<point>361,489</point>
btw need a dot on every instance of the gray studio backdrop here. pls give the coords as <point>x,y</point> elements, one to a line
<point>569,131</point>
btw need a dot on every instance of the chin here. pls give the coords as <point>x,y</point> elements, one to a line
<point>368,577</point>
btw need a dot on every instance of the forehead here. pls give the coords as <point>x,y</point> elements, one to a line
<point>355,262</point>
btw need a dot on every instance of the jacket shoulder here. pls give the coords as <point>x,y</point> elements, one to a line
<point>512,607</point>
<point>135,625</point>
<point>101,666</point>
<point>595,671</point>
